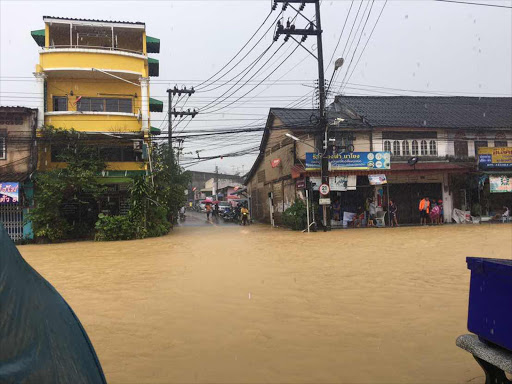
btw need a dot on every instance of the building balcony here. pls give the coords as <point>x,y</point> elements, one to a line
<point>93,63</point>
<point>92,121</point>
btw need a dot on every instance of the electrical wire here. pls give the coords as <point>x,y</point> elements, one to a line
<point>364,48</point>
<point>358,41</point>
<point>234,57</point>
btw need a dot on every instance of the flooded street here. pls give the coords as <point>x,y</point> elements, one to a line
<point>231,304</point>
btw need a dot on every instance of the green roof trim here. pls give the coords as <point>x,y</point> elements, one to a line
<point>115,180</point>
<point>154,67</point>
<point>39,36</point>
<point>123,174</point>
<point>156,105</point>
<point>152,44</point>
<point>155,130</point>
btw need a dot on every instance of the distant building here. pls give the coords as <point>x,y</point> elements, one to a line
<point>431,144</point>
<point>202,184</point>
<point>18,160</point>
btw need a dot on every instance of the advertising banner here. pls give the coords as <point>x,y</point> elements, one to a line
<point>9,192</point>
<point>501,183</point>
<point>499,157</point>
<point>377,179</point>
<point>350,161</point>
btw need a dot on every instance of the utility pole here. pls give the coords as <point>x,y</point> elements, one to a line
<point>172,111</point>
<point>315,28</point>
<point>216,183</point>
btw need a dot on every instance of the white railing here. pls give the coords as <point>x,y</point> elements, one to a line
<point>106,48</point>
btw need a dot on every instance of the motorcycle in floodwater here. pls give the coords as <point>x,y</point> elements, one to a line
<point>245,218</point>
<point>182,216</point>
<point>231,217</point>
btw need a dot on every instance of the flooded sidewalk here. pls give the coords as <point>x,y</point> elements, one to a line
<point>232,304</point>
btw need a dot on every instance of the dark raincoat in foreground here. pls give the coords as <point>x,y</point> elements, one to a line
<point>41,339</point>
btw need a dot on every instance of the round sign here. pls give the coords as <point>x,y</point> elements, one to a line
<point>324,189</point>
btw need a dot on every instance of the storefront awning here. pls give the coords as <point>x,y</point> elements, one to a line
<point>155,105</point>
<point>155,131</point>
<point>152,44</point>
<point>38,36</point>
<point>154,67</point>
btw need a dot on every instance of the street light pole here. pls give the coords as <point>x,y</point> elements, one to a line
<point>323,126</point>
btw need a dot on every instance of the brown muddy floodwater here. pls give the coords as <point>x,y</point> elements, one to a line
<point>255,305</point>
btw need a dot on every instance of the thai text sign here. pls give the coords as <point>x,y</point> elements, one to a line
<point>501,183</point>
<point>9,192</point>
<point>499,157</point>
<point>350,161</point>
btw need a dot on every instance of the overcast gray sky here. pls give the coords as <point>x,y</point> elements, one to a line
<point>425,46</point>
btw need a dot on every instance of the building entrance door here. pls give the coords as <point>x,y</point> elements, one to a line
<point>407,197</point>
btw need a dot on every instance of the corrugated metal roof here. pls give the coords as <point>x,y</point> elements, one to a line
<point>95,20</point>
<point>17,107</point>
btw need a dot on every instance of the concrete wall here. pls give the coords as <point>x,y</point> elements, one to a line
<point>277,180</point>
<point>20,149</point>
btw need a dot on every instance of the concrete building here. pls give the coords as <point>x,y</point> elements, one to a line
<point>93,76</point>
<point>18,161</point>
<point>441,135</point>
<point>202,184</point>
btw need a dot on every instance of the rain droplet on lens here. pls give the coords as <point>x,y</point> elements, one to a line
<point>424,122</point>
<point>484,114</point>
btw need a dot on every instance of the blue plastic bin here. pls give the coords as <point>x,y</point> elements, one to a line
<point>490,300</point>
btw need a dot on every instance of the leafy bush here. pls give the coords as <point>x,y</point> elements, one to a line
<point>56,188</point>
<point>157,223</point>
<point>295,217</point>
<point>110,228</point>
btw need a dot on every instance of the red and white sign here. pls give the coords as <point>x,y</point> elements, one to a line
<point>275,163</point>
<point>324,189</point>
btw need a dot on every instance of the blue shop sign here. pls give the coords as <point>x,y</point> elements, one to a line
<point>350,161</point>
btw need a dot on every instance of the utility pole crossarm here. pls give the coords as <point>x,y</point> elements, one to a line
<point>297,31</point>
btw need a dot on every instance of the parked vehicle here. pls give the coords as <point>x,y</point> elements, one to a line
<point>224,206</point>
<point>231,216</point>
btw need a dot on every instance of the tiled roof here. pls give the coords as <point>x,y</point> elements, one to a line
<point>296,118</point>
<point>430,111</point>
<point>95,20</point>
<point>308,118</point>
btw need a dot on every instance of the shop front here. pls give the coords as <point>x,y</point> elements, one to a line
<point>406,185</point>
<point>494,181</point>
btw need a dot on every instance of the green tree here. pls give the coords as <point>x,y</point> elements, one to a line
<point>76,185</point>
<point>170,181</point>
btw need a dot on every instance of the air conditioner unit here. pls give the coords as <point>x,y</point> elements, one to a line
<point>137,145</point>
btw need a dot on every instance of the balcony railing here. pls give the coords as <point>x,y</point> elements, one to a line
<point>105,48</point>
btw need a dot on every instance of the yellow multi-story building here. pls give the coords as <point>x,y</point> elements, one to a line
<point>93,76</point>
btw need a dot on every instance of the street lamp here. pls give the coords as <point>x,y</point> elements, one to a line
<point>325,161</point>
<point>301,141</point>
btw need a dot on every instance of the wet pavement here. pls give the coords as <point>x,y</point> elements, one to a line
<point>214,303</point>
